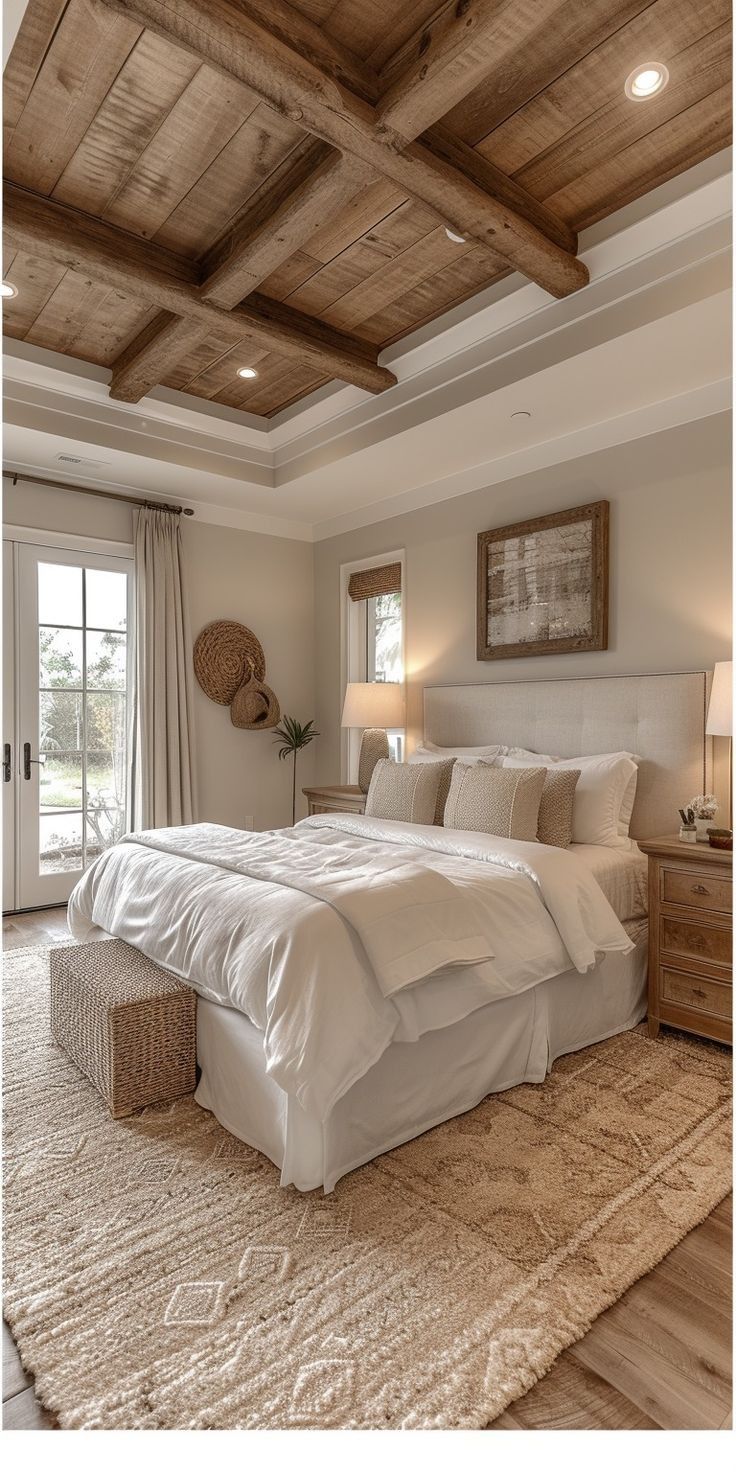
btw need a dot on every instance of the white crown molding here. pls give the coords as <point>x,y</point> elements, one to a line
<point>700,403</point>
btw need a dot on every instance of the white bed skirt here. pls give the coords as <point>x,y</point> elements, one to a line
<point>414,1086</point>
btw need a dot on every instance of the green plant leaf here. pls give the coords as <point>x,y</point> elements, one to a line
<point>292,736</point>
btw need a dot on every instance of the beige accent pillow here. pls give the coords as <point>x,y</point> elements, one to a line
<point>445,770</point>
<point>555,809</point>
<point>483,800</point>
<point>402,793</point>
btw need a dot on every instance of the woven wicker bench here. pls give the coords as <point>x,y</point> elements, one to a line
<point>128,1024</point>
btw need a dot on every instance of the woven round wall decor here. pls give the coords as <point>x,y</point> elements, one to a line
<point>223,655</point>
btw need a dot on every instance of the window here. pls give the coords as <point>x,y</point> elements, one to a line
<point>373,638</point>
<point>383,651</point>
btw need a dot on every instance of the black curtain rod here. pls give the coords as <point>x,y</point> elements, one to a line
<point>64,485</point>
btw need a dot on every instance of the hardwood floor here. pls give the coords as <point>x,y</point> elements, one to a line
<point>659,1358</point>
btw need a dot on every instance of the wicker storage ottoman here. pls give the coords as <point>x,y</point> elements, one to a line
<point>127,1023</point>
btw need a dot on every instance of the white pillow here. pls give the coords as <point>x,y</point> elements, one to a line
<point>537,758</point>
<point>428,752</point>
<point>604,796</point>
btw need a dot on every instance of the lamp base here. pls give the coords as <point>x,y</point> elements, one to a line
<point>373,748</point>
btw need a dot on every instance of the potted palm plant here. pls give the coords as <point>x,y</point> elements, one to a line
<point>292,737</point>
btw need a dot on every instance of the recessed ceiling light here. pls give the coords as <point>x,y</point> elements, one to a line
<point>453,235</point>
<point>646,81</point>
<point>522,414</point>
<point>8,289</point>
<point>247,373</point>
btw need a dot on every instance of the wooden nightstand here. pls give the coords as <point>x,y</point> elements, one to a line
<point>690,908</point>
<point>334,799</point>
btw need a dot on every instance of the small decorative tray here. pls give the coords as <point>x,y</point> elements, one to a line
<point>720,838</point>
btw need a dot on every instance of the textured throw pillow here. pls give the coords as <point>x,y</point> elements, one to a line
<point>603,796</point>
<point>556,808</point>
<point>496,800</point>
<point>445,770</point>
<point>403,793</point>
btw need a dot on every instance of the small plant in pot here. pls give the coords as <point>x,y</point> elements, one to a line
<point>704,809</point>
<point>292,737</point>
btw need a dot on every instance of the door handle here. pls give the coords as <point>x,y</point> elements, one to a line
<point>29,761</point>
<point>7,762</point>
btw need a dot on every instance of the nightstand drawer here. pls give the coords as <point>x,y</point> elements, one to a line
<point>697,891</point>
<point>695,991</point>
<point>695,940</point>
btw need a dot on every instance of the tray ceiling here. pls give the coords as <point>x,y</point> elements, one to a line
<point>193,189</point>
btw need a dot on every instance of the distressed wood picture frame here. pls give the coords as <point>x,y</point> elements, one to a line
<point>543,585</point>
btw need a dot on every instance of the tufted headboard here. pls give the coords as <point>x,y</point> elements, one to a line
<point>659,717</point>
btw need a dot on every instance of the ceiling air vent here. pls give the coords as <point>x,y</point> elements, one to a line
<point>79,460</point>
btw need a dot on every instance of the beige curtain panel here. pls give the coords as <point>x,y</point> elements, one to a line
<point>163,788</point>
<point>373,581</point>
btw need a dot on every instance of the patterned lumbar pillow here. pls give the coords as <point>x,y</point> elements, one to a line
<point>483,800</point>
<point>405,794</point>
<point>555,808</point>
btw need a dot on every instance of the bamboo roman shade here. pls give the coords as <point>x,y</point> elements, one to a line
<point>373,581</point>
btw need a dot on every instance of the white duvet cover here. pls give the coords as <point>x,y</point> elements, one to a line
<point>346,933</point>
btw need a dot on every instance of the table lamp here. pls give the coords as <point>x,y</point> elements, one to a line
<point>373,708</point>
<point>720,711</point>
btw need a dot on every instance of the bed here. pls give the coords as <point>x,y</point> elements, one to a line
<point>329,1031</point>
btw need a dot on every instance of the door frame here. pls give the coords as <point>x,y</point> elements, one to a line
<point>33,890</point>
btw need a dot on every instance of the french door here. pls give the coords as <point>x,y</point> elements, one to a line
<point>70,752</point>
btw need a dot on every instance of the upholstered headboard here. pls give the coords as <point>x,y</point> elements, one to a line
<point>659,717</point>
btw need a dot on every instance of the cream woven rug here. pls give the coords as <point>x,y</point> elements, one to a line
<point>157,1275</point>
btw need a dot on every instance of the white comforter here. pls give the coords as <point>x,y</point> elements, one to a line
<point>343,934</point>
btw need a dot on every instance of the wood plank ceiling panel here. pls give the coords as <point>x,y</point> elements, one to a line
<point>548,52</point>
<point>88,320</point>
<point>201,123</point>
<point>404,229</point>
<point>249,160</point>
<point>589,96</point>
<point>677,145</point>
<point>696,72</point>
<point>447,288</point>
<point>89,47</point>
<point>35,279</point>
<point>143,94</point>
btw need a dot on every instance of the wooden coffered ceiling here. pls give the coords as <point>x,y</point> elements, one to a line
<point>194,188</point>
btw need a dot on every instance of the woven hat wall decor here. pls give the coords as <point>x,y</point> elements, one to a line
<point>231,667</point>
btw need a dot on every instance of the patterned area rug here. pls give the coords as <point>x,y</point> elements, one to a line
<point>158,1276</point>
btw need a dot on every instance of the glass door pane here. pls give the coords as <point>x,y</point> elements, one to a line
<point>75,798</point>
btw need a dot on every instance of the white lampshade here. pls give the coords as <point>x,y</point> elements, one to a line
<point>720,709</point>
<point>379,704</point>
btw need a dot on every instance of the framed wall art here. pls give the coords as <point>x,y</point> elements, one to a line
<point>543,585</point>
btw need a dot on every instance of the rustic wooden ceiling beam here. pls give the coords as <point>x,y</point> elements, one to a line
<point>297,31</point>
<point>462,45</point>
<point>226,36</point>
<point>281,220</point>
<point>152,354</point>
<point>150,273</point>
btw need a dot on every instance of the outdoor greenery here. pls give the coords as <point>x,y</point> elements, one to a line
<point>67,729</point>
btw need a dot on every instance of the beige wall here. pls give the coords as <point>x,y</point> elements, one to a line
<point>669,606</point>
<point>265,582</point>
<point>670,571</point>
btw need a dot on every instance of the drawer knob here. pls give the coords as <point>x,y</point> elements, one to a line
<point>699,889</point>
<point>697,992</point>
